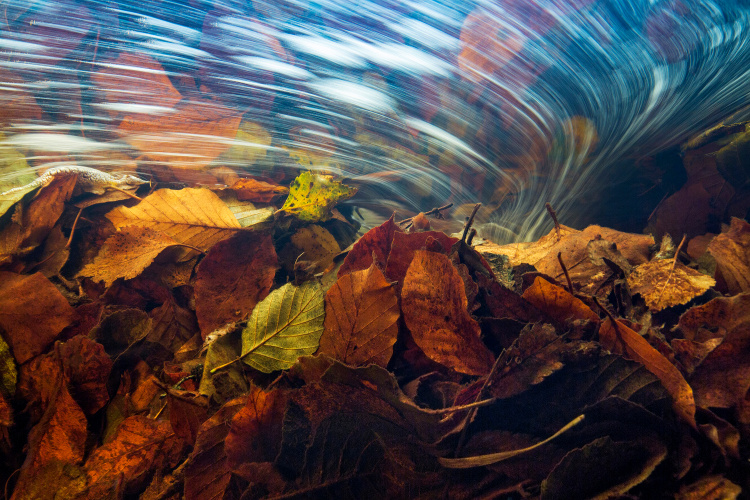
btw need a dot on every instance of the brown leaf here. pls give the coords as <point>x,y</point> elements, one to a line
<point>207,473</point>
<point>722,379</point>
<point>715,487</point>
<point>17,104</point>
<point>87,367</point>
<point>319,248</point>
<point>557,303</point>
<point>139,448</point>
<point>688,211</point>
<point>434,304</point>
<point>622,340</point>
<point>663,285</point>
<point>172,326</point>
<point>377,241</point>
<point>187,412</point>
<point>236,274</point>
<point>192,216</point>
<point>31,224</point>
<point>32,313</point>
<point>132,80</point>
<point>126,254</point>
<point>60,436</point>
<point>255,433</point>
<point>250,189</point>
<point>206,130</point>
<point>406,244</point>
<point>361,323</point>
<point>731,250</point>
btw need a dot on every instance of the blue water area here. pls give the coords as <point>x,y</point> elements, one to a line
<point>513,103</point>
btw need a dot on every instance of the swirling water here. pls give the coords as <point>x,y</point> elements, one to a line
<point>510,102</point>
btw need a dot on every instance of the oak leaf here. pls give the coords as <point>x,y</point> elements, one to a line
<point>284,326</point>
<point>236,274</point>
<point>731,249</point>
<point>361,323</point>
<point>434,305</point>
<point>192,216</point>
<point>620,339</point>
<point>126,254</point>
<point>22,299</point>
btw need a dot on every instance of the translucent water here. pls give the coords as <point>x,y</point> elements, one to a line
<point>510,102</point>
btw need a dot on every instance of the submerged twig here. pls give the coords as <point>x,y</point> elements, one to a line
<point>554,218</point>
<point>470,222</point>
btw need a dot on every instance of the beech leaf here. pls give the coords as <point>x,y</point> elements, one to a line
<point>284,326</point>
<point>235,275</point>
<point>126,254</point>
<point>434,304</point>
<point>557,302</point>
<point>663,283</point>
<point>361,321</point>
<point>192,216</point>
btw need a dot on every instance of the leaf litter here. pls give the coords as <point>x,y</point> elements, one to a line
<point>190,344</point>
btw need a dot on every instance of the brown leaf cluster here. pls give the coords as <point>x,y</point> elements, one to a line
<point>586,366</point>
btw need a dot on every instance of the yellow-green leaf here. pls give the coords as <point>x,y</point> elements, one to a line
<point>284,326</point>
<point>312,195</point>
<point>8,372</point>
<point>16,173</point>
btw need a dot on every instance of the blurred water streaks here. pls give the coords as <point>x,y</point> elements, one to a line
<point>510,102</point>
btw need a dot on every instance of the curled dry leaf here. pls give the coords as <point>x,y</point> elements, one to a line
<point>284,326</point>
<point>662,284</point>
<point>361,323</point>
<point>192,216</point>
<point>236,274</point>
<point>732,253</point>
<point>126,254</point>
<point>434,304</point>
<point>622,340</point>
<point>32,313</point>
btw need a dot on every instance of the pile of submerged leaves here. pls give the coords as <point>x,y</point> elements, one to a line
<point>206,344</point>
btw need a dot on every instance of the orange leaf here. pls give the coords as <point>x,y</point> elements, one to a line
<point>361,321</point>
<point>377,241</point>
<point>434,305</point>
<point>236,274</point>
<point>731,250</point>
<point>32,313</point>
<point>557,303</point>
<point>623,340</point>
<point>250,189</point>
<point>189,138</point>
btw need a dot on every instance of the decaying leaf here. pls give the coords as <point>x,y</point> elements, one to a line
<point>557,303</point>
<point>139,448</point>
<point>663,283</point>
<point>284,326</point>
<point>192,216</point>
<point>236,274</point>
<point>22,299</point>
<point>312,195</point>
<point>8,371</point>
<point>361,322</point>
<point>127,253</point>
<point>434,307</point>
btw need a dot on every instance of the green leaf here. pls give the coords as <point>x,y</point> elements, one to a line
<point>312,195</point>
<point>284,326</point>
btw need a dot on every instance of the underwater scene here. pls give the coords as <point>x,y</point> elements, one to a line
<point>512,103</point>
